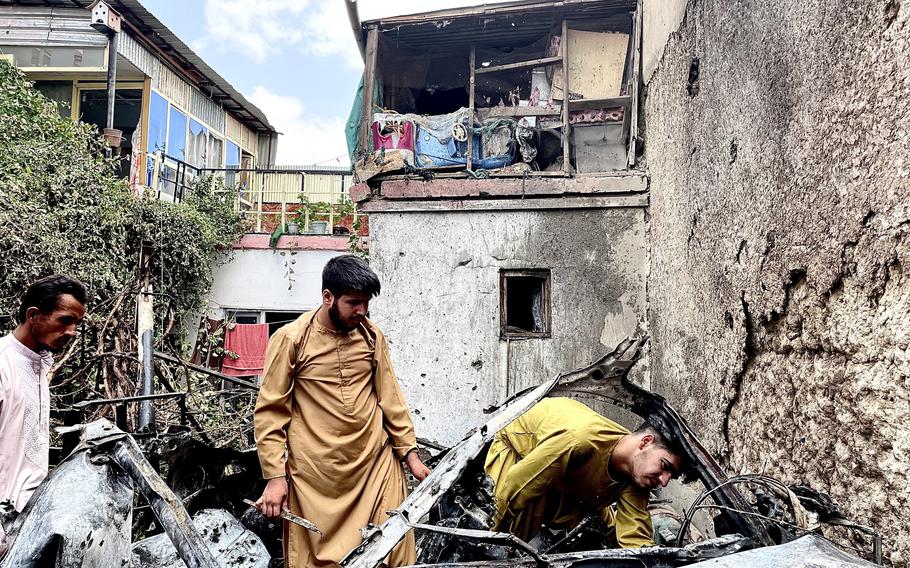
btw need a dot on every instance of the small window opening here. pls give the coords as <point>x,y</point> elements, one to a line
<point>525,303</point>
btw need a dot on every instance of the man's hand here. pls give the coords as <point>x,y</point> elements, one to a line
<point>275,498</point>
<point>418,470</point>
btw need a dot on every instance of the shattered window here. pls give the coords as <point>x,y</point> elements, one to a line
<point>214,153</point>
<point>525,303</point>
<point>198,145</point>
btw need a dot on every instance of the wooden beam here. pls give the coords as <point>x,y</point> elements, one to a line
<point>636,80</point>
<point>498,111</point>
<point>199,369</point>
<point>142,176</point>
<point>593,104</point>
<point>369,80</point>
<point>566,128</point>
<point>520,65</point>
<point>471,81</point>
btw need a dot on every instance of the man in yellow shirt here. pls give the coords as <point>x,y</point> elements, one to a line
<point>561,461</point>
<point>332,424</point>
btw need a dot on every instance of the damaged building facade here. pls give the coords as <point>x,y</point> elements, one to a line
<point>756,229</point>
<point>513,243</point>
<point>777,151</point>
<point>179,119</point>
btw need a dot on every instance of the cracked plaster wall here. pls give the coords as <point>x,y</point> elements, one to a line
<point>778,144</point>
<point>439,305</point>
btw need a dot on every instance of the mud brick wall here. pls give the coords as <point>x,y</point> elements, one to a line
<point>778,141</point>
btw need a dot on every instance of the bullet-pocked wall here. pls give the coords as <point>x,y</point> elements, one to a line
<point>776,141</point>
<point>440,302</point>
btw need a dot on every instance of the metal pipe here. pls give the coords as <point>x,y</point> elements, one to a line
<point>111,83</point>
<point>354,18</point>
<point>168,508</point>
<point>145,330</point>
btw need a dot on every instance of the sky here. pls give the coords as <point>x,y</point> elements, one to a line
<point>295,59</point>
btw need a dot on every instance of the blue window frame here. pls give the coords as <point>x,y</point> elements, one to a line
<point>232,155</point>
<point>176,136</point>
<point>197,146</point>
<point>157,123</point>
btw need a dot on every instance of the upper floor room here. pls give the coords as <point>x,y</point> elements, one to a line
<point>174,113</point>
<point>518,89</point>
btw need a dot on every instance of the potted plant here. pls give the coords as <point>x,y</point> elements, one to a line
<point>313,213</point>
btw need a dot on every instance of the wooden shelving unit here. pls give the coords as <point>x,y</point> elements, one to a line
<point>631,86</point>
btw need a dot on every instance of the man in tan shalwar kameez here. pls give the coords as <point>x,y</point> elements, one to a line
<point>331,418</point>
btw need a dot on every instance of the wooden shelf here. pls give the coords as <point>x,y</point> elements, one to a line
<point>594,104</point>
<point>520,65</point>
<point>581,104</point>
<point>510,111</point>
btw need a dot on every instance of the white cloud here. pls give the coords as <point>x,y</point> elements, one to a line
<point>372,9</point>
<point>305,140</point>
<point>320,28</point>
<point>261,28</point>
<point>256,27</point>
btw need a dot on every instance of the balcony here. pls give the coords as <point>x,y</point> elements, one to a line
<point>298,200</point>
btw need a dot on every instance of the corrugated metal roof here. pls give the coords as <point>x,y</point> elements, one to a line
<point>496,25</point>
<point>26,25</point>
<point>176,54</point>
<point>519,6</point>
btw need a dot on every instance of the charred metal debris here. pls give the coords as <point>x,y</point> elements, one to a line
<point>183,500</point>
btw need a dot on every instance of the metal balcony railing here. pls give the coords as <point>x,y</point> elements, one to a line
<point>288,197</point>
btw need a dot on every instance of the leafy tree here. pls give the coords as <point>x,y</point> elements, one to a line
<point>63,210</point>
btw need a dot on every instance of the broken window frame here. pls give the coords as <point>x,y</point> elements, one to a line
<point>630,102</point>
<point>546,327</point>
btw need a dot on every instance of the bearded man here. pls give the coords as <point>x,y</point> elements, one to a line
<point>332,425</point>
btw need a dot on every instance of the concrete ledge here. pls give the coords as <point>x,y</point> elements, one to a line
<point>256,241</point>
<point>532,186</point>
<point>513,187</point>
<point>449,205</point>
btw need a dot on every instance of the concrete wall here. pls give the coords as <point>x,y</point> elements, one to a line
<point>285,279</point>
<point>660,18</point>
<point>780,212</point>
<point>440,302</point>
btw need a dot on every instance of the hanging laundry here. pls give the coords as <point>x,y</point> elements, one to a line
<point>248,342</point>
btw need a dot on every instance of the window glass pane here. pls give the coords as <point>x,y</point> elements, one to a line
<point>176,135</point>
<point>213,156</point>
<point>61,92</point>
<point>232,155</point>
<point>55,56</point>
<point>196,148</point>
<point>157,123</point>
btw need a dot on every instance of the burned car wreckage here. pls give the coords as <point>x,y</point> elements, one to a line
<point>82,514</point>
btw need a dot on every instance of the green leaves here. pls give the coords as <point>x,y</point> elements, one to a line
<point>62,209</point>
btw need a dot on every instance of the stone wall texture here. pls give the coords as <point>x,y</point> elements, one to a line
<point>778,142</point>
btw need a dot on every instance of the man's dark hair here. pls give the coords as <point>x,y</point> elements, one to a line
<point>45,293</point>
<point>666,441</point>
<point>348,273</point>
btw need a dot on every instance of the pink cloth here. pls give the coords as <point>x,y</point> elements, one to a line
<point>24,421</point>
<point>249,342</point>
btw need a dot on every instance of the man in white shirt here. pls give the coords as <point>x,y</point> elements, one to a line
<point>48,315</point>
